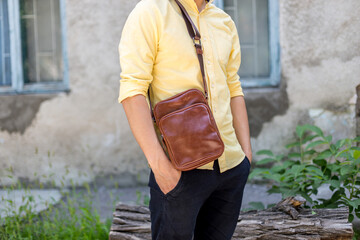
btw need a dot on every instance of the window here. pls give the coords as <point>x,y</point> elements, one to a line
<point>257,22</point>
<point>5,77</point>
<point>34,56</point>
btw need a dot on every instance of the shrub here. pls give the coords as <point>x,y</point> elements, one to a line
<point>314,160</point>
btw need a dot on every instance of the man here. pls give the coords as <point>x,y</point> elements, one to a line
<point>157,52</point>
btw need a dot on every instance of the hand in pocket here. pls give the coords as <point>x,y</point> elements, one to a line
<point>166,176</point>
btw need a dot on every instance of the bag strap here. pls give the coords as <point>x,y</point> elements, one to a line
<point>196,37</point>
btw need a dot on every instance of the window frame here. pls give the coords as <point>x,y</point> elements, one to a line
<point>274,45</point>
<point>17,78</point>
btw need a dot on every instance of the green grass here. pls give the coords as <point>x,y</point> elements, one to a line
<point>74,217</point>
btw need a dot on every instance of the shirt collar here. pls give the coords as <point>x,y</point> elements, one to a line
<point>191,4</point>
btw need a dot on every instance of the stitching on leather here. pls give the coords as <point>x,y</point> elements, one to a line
<point>175,96</point>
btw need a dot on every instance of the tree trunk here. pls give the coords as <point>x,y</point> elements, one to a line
<point>278,223</point>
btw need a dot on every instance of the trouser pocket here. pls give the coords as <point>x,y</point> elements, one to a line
<point>153,184</point>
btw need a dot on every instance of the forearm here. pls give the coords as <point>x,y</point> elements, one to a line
<point>241,124</point>
<point>141,124</point>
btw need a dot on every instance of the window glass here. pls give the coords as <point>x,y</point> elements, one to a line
<point>41,41</point>
<point>5,60</point>
<point>252,21</point>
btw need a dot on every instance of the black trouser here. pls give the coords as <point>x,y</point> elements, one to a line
<point>205,204</point>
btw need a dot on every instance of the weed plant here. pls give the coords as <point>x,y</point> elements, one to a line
<point>315,160</point>
<point>74,217</point>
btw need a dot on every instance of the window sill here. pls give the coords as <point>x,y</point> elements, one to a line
<point>37,88</point>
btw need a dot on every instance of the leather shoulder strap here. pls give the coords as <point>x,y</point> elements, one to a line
<point>196,37</point>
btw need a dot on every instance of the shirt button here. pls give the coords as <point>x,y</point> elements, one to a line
<point>208,61</point>
<point>204,38</point>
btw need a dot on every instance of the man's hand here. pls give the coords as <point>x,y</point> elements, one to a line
<point>166,176</point>
<point>249,156</point>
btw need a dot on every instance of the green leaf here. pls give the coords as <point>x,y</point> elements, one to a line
<point>355,203</point>
<point>309,138</point>
<point>356,154</point>
<point>257,205</point>
<point>314,144</point>
<point>341,153</point>
<point>293,144</point>
<point>265,152</point>
<point>278,158</point>
<point>314,170</point>
<point>277,168</point>
<point>296,169</point>
<point>340,143</point>
<point>294,155</point>
<point>351,217</point>
<point>310,152</point>
<point>345,170</point>
<point>307,197</point>
<point>313,128</point>
<point>357,139</point>
<point>357,161</point>
<point>320,162</point>
<point>259,172</point>
<point>275,177</point>
<point>333,148</point>
<point>288,163</point>
<point>300,131</point>
<point>335,183</point>
<point>271,205</point>
<point>336,195</point>
<point>264,161</point>
<point>324,154</point>
<point>355,148</point>
<point>328,138</point>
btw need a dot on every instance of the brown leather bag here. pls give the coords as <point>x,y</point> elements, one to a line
<point>187,126</point>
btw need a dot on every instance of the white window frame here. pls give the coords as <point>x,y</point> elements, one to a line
<point>274,45</point>
<point>17,78</point>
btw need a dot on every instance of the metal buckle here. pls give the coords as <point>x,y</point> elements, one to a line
<point>194,41</point>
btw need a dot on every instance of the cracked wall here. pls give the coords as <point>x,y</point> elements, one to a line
<point>320,61</point>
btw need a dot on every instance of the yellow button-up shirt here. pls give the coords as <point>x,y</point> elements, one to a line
<point>155,48</point>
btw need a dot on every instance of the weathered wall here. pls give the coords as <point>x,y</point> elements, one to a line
<point>320,61</point>
<point>86,132</point>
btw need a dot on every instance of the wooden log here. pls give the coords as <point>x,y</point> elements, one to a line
<point>277,223</point>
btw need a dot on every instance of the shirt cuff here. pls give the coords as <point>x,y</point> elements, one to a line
<point>235,89</point>
<point>130,88</point>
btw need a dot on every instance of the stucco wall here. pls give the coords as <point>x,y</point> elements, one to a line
<point>86,134</point>
<point>84,131</point>
<point>320,61</point>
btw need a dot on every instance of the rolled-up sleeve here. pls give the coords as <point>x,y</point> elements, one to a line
<point>137,51</point>
<point>233,79</point>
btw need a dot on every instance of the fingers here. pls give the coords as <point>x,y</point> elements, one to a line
<point>168,181</point>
